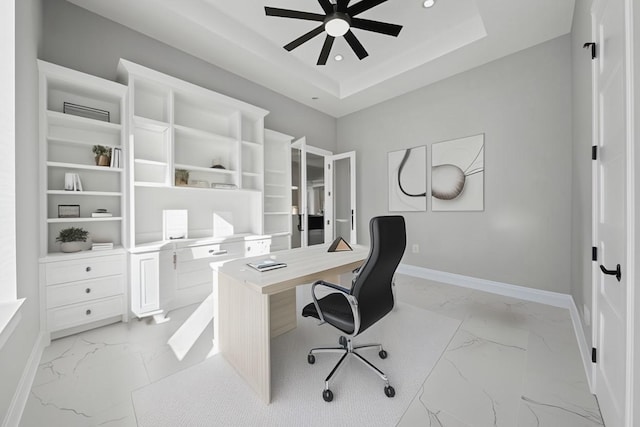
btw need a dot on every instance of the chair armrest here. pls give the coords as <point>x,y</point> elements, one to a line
<point>353,302</point>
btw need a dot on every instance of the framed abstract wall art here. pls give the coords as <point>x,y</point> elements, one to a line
<point>408,179</point>
<point>457,174</point>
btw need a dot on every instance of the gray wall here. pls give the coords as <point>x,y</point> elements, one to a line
<point>16,351</point>
<point>522,103</point>
<point>581,236</point>
<point>78,39</point>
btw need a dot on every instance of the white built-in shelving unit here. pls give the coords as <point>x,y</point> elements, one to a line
<point>277,189</point>
<point>86,287</point>
<point>177,126</point>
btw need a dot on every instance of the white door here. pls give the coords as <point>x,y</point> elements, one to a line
<point>340,197</point>
<point>609,209</point>
<point>308,193</point>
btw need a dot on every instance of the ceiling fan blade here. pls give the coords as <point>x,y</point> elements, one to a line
<point>326,49</point>
<point>296,14</point>
<point>355,45</point>
<point>304,38</point>
<point>326,6</point>
<point>362,6</point>
<point>342,6</point>
<point>376,26</point>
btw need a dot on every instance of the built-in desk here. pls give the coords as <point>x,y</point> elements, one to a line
<point>251,307</point>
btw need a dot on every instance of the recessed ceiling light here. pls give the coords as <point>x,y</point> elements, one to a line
<point>428,3</point>
<point>338,57</point>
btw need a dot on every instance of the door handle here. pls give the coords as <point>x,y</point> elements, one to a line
<point>617,272</point>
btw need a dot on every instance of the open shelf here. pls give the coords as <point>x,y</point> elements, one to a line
<point>56,118</point>
<point>84,193</point>
<point>104,219</point>
<point>86,167</point>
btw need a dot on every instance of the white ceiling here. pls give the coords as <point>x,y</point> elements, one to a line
<point>451,37</point>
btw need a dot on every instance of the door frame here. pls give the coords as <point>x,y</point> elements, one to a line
<point>301,144</point>
<point>330,191</point>
<point>632,199</point>
<point>632,36</point>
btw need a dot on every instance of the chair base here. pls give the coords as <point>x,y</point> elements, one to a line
<point>347,348</point>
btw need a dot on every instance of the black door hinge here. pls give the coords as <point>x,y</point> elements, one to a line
<point>594,253</point>
<point>592,45</point>
<point>593,355</point>
<point>594,152</point>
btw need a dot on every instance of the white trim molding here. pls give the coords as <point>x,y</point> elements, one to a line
<point>19,401</point>
<point>555,299</point>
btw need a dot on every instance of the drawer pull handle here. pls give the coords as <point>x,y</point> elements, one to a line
<point>88,269</point>
<point>220,252</point>
<point>88,312</point>
<point>88,290</point>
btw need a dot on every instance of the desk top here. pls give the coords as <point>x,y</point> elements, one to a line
<point>304,265</point>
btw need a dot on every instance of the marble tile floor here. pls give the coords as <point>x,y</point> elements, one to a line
<point>511,363</point>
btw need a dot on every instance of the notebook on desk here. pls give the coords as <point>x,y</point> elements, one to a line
<point>266,265</point>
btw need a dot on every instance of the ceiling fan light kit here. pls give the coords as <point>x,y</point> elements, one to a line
<point>338,20</point>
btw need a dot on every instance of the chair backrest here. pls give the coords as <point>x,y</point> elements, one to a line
<point>373,285</point>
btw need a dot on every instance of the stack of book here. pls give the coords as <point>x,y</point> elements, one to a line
<point>101,213</point>
<point>101,246</point>
<point>116,158</point>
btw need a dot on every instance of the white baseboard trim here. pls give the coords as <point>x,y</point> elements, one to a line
<point>19,401</point>
<point>555,299</point>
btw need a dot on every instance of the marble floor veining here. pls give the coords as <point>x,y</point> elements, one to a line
<point>511,363</point>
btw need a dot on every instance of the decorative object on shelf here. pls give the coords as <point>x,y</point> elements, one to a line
<point>408,179</point>
<point>216,164</point>
<point>175,224</point>
<point>103,155</point>
<point>223,185</point>
<point>294,210</point>
<point>116,158</point>
<point>86,112</point>
<point>72,182</point>
<point>101,245</point>
<point>71,239</point>
<point>101,213</point>
<point>457,174</point>
<point>182,177</point>
<point>200,183</point>
<point>68,211</point>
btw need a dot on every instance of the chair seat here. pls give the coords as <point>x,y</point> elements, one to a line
<point>336,310</point>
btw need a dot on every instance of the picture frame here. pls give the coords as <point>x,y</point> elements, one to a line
<point>86,112</point>
<point>407,177</point>
<point>68,211</point>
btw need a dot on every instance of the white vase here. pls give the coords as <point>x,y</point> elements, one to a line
<point>71,247</point>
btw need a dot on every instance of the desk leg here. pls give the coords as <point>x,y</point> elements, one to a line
<point>244,333</point>
<point>283,312</point>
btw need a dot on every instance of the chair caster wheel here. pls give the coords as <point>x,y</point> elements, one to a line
<point>343,341</point>
<point>383,354</point>
<point>327,395</point>
<point>311,359</point>
<point>389,391</point>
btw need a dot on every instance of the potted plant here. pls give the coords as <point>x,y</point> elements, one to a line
<point>103,155</point>
<point>71,239</point>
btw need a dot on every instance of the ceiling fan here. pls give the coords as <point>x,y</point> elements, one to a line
<point>337,21</point>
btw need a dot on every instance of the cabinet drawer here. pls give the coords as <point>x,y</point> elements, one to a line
<point>83,269</point>
<point>212,252</point>
<point>83,291</point>
<point>79,314</point>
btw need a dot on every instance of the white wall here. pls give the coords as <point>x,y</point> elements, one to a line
<point>17,349</point>
<point>581,218</point>
<point>522,103</point>
<point>78,39</point>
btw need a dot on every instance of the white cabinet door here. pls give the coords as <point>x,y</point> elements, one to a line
<point>340,197</point>
<point>145,283</point>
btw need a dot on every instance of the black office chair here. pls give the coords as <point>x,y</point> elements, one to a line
<point>370,298</point>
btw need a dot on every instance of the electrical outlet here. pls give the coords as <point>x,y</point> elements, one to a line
<point>586,313</point>
<point>415,248</point>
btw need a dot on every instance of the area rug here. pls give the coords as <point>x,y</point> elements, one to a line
<point>213,394</point>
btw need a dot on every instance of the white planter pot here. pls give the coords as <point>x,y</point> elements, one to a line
<point>71,247</point>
